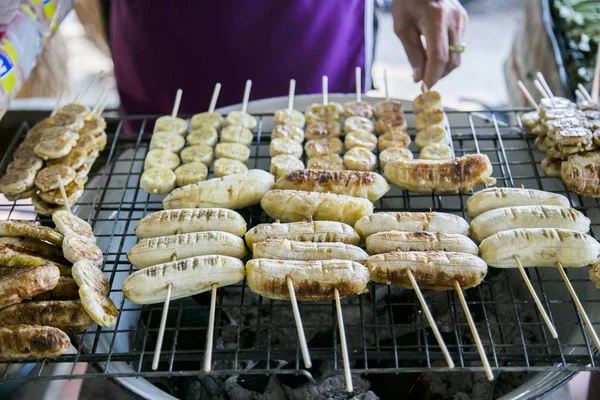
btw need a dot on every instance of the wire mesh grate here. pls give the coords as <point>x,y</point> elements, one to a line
<point>385,329</point>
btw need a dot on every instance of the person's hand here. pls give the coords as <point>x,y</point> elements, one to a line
<point>442,22</point>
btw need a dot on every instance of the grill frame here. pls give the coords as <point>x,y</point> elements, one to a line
<point>497,133</point>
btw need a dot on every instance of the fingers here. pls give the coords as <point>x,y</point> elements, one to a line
<point>411,40</point>
<point>436,38</point>
<point>454,38</point>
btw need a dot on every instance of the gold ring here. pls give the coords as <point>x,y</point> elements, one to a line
<point>459,48</point>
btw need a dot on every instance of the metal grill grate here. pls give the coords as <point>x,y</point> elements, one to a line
<point>385,329</point>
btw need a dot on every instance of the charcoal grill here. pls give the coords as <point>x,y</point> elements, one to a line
<point>514,335</point>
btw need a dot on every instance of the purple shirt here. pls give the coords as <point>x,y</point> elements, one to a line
<point>159,46</point>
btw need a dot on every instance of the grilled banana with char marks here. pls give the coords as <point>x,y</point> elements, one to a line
<point>492,198</point>
<point>411,222</point>
<point>284,249</point>
<point>304,231</point>
<point>385,242</point>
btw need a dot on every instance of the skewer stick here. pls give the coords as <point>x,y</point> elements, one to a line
<point>528,95</point>
<point>587,95</point>
<point>161,329</point>
<point>102,106</point>
<point>544,83</point>
<point>214,98</point>
<point>58,101</point>
<point>325,85</point>
<point>211,329</point>
<point>299,326</point>
<point>540,89</point>
<point>291,94</point>
<point>385,85</point>
<point>343,343</point>
<point>480,349</point>
<point>578,304</point>
<point>100,100</point>
<point>536,299</point>
<point>63,194</point>
<point>177,103</point>
<point>81,95</point>
<point>596,81</point>
<point>580,96</point>
<point>432,324</point>
<point>246,96</point>
<point>358,84</point>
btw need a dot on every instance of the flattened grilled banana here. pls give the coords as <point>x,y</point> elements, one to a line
<point>369,185</point>
<point>323,130</point>
<point>87,273</point>
<point>187,220</point>
<point>284,163</point>
<point>304,231</point>
<point>295,205</point>
<point>44,208</point>
<point>206,135</point>
<point>30,230</point>
<point>393,138</point>
<point>313,280</point>
<point>161,159</point>
<point>358,124</point>
<point>227,166</point>
<point>237,134</point>
<point>158,180</point>
<point>69,224</point>
<point>241,118</point>
<point>492,198</point>
<point>358,108</point>
<point>188,277</point>
<point>206,119</point>
<point>388,108</point>
<point>289,116</point>
<point>360,139</point>
<point>320,112</point>
<point>436,151</point>
<point>288,131</point>
<point>435,270</point>
<point>540,247</point>
<point>190,173</point>
<point>281,146</point>
<point>426,101</point>
<point>53,148</point>
<point>390,124</point>
<point>66,315</point>
<point>65,289</point>
<point>411,222</point>
<point>329,162</point>
<point>168,123</point>
<point>98,306</point>
<point>77,248</point>
<point>385,242</point>
<point>18,284</point>
<point>168,141</point>
<point>199,153</point>
<point>161,249</point>
<point>232,191</point>
<point>23,342</point>
<point>75,159</point>
<point>360,159</point>
<point>34,247</point>
<point>503,219</point>
<point>321,147</point>
<point>284,249</point>
<point>392,154</point>
<point>443,177</point>
<point>31,163</point>
<point>17,181</point>
<point>73,190</point>
<point>234,151</point>
<point>430,117</point>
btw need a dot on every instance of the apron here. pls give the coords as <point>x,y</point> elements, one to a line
<point>159,46</point>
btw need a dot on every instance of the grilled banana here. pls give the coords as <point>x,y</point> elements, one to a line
<point>411,222</point>
<point>161,249</point>
<point>161,159</point>
<point>232,191</point>
<point>206,135</point>
<point>227,166</point>
<point>313,280</point>
<point>369,185</point>
<point>158,180</point>
<point>388,109</point>
<point>188,276</point>
<point>392,154</point>
<point>234,151</point>
<point>171,124</point>
<point>284,249</point>
<point>358,124</point>
<point>18,284</point>
<point>443,177</point>
<point>237,134</point>
<point>295,205</point>
<point>283,164</point>
<point>360,139</point>
<point>22,342</point>
<point>329,162</point>
<point>430,117</point>
<point>12,258</point>
<point>168,141</point>
<point>30,230</point>
<point>241,118</point>
<point>187,220</point>
<point>435,270</point>
<point>86,273</point>
<point>288,131</point>
<point>16,181</point>
<point>323,130</point>
<point>289,116</point>
<point>385,242</point>
<point>98,306</point>
<point>321,147</point>
<point>393,138</point>
<point>68,316</point>
<point>426,101</point>
<point>206,119</point>
<point>50,178</point>
<point>436,151</point>
<point>199,153</point>
<point>492,198</point>
<point>285,146</point>
<point>432,134</point>
<point>65,289</point>
<point>306,231</point>
<point>34,247</point>
<point>358,108</point>
<point>76,248</point>
<point>360,159</point>
<point>69,224</point>
<point>503,219</point>
<point>540,247</point>
<point>190,173</point>
<point>323,112</point>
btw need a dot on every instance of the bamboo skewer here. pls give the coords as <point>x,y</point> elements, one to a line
<point>528,95</point>
<point>580,96</point>
<point>596,81</point>
<point>578,304</point>
<point>63,194</point>
<point>214,98</point>
<point>536,299</point>
<point>358,84</point>
<point>343,343</point>
<point>103,95</point>
<point>82,94</point>
<point>291,94</point>
<point>246,96</point>
<point>299,325</point>
<point>480,349</point>
<point>385,85</point>
<point>211,329</point>
<point>430,319</point>
<point>587,95</point>
<point>325,84</point>
<point>544,84</point>
<point>161,329</point>
<point>540,89</point>
<point>177,103</point>
<point>57,105</point>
